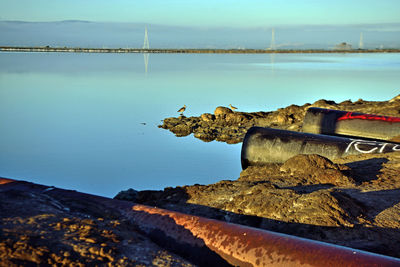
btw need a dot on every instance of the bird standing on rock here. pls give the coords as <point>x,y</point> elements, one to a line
<point>182,109</point>
<point>232,107</point>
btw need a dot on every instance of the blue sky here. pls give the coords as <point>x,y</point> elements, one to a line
<point>206,13</point>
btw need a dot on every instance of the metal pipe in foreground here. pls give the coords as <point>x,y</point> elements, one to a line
<point>246,246</point>
<point>338,122</point>
<point>267,145</point>
<point>218,243</point>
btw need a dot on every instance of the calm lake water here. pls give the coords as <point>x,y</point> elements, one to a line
<point>88,122</point>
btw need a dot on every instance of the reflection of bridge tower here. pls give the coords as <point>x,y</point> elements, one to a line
<point>272,45</point>
<point>146,46</point>
<point>361,43</point>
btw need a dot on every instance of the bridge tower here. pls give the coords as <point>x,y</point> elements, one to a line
<point>272,45</point>
<point>146,46</point>
<point>361,43</point>
<point>146,40</point>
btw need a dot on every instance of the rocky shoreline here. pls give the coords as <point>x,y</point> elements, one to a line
<point>229,126</point>
<point>352,201</point>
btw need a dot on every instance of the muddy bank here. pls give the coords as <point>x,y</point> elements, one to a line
<point>229,126</point>
<point>353,201</point>
<point>43,227</point>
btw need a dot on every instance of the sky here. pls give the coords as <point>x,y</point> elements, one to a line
<point>206,13</point>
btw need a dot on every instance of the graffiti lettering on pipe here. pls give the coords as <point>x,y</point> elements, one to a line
<point>350,116</point>
<point>365,146</point>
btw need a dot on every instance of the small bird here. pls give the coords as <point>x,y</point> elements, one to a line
<point>182,109</point>
<point>232,107</point>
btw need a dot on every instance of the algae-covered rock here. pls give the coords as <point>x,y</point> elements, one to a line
<point>230,127</point>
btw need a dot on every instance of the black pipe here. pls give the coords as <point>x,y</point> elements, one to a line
<point>266,145</point>
<point>338,122</point>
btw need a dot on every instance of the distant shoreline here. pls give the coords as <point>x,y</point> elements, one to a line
<point>187,51</point>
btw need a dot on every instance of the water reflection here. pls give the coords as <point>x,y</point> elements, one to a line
<point>272,61</point>
<point>146,61</point>
<point>74,120</point>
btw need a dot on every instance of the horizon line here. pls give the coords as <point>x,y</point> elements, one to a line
<point>201,26</point>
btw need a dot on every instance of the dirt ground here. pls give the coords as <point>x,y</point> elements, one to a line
<point>43,227</point>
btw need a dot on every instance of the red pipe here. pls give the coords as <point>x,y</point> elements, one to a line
<point>247,246</point>
<point>238,245</point>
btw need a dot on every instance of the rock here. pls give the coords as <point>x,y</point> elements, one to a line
<point>236,118</point>
<point>230,127</point>
<point>303,163</point>
<point>181,130</point>
<point>207,117</point>
<point>280,119</point>
<point>317,170</point>
<point>130,195</point>
<point>394,99</point>
<point>307,196</point>
<point>325,104</point>
<point>36,232</point>
<point>220,111</point>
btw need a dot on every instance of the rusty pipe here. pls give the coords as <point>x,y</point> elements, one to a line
<point>246,246</point>
<point>234,244</point>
